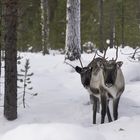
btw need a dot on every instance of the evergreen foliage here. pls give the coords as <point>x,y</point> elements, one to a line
<point>29,26</point>
<point>25,79</point>
<point>57,24</point>
<point>30,30</point>
<point>90,22</point>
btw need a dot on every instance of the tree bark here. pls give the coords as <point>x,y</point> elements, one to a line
<point>122,24</point>
<point>0,34</point>
<point>10,40</point>
<point>112,23</point>
<point>73,37</point>
<point>101,23</point>
<point>45,26</point>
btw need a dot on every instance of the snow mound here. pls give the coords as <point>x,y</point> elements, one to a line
<point>53,131</point>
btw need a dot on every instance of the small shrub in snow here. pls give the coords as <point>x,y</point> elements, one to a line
<point>25,80</point>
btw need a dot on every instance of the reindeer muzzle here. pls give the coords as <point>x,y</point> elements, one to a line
<point>109,85</point>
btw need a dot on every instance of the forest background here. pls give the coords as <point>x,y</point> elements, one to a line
<point>123,14</point>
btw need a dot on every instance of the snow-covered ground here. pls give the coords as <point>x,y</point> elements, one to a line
<point>60,110</point>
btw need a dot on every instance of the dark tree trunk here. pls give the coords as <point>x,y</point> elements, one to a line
<point>101,23</point>
<point>122,24</point>
<point>0,33</point>
<point>46,22</point>
<point>112,23</point>
<point>10,40</point>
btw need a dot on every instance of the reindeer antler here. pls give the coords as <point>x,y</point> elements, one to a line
<point>69,64</point>
<point>72,65</point>
<point>116,53</point>
<point>104,55</point>
<point>81,62</point>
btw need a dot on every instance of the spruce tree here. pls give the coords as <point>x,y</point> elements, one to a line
<point>24,77</point>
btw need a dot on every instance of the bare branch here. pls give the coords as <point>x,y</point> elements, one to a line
<point>130,59</point>
<point>135,52</point>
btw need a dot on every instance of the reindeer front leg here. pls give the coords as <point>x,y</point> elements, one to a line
<point>108,113</point>
<point>115,108</point>
<point>104,107</point>
<point>95,102</point>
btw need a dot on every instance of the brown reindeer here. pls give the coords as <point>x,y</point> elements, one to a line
<point>104,81</point>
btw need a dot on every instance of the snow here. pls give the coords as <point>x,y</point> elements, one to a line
<point>60,111</point>
<point>52,132</point>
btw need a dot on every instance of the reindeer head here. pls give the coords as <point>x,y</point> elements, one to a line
<point>110,70</point>
<point>85,73</point>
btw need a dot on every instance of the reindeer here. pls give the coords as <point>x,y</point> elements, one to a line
<point>114,85</point>
<point>104,81</point>
<point>91,78</point>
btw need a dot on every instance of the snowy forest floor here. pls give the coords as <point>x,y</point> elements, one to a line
<point>60,111</point>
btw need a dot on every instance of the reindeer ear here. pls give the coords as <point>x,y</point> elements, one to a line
<point>119,64</point>
<point>78,69</point>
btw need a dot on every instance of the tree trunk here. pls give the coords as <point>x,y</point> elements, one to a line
<point>101,23</point>
<point>0,34</point>
<point>10,40</point>
<point>45,26</point>
<point>73,37</point>
<point>112,23</point>
<point>122,24</point>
